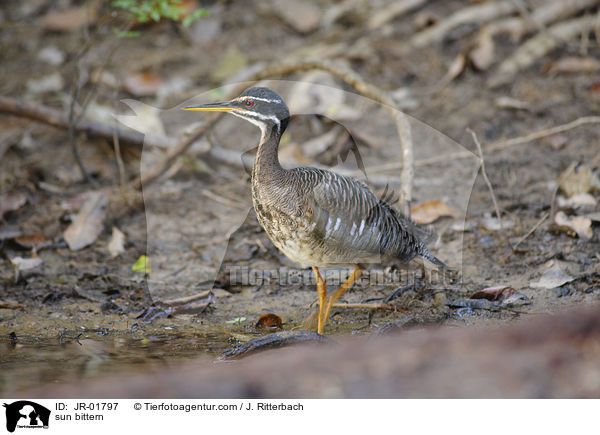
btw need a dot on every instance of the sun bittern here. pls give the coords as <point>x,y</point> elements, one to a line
<point>316,217</point>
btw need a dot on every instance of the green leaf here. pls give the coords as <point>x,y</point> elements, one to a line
<point>236,320</point>
<point>126,33</point>
<point>146,10</point>
<point>187,21</point>
<point>141,265</point>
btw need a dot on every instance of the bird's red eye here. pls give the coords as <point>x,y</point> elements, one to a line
<point>249,103</point>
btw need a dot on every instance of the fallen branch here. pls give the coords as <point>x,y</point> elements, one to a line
<point>392,11</point>
<point>58,119</point>
<point>538,46</point>
<point>471,14</point>
<point>539,18</point>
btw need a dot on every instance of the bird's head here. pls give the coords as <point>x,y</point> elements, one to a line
<point>260,106</point>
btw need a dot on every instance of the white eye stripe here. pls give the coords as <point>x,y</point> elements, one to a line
<point>266,100</point>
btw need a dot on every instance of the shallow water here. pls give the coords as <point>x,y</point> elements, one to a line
<point>29,360</point>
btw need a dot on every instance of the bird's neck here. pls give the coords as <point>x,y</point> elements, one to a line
<point>266,164</point>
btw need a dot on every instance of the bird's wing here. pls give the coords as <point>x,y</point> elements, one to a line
<point>348,216</point>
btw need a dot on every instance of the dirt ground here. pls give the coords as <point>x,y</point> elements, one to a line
<point>78,312</point>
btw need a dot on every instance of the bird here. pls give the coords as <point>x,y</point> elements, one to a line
<point>317,217</point>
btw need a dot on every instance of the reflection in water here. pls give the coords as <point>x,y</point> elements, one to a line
<point>30,361</point>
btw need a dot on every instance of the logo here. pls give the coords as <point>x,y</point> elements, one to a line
<point>26,414</point>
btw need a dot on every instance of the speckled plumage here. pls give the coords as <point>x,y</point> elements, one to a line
<point>319,218</point>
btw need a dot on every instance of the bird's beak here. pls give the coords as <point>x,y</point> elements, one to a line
<point>225,106</point>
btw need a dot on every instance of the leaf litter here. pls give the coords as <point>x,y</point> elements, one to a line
<point>553,275</point>
<point>88,224</point>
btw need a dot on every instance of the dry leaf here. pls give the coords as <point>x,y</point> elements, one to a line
<point>582,226</point>
<point>21,264</point>
<point>232,61</point>
<point>146,119</point>
<point>32,241</point>
<point>11,304</point>
<point>53,82</point>
<point>427,212</point>
<point>103,77</point>
<point>117,242</point>
<point>51,55</point>
<point>482,55</point>
<point>553,277</point>
<point>269,321</point>
<point>577,200</point>
<point>511,104</point>
<point>89,222</point>
<point>11,201</point>
<point>494,224</point>
<point>515,298</point>
<point>142,84</point>
<point>70,19</point>
<point>75,202</point>
<point>556,141</point>
<point>572,64</point>
<point>303,16</point>
<point>498,293</point>
<point>579,181</point>
<point>593,216</point>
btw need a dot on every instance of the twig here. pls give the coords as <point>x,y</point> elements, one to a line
<point>522,239</point>
<point>368,90</point>
<point>485,177</point>
<point>173,153</point>
<point>494,146</point>
<point>500,145</point>
<point>365,307</point>
<point>71,121</point>
<point>225,201</point>
<point>119,159</point>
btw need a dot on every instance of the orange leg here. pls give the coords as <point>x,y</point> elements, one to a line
<point>339,292</point>
<point>322,290</point>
